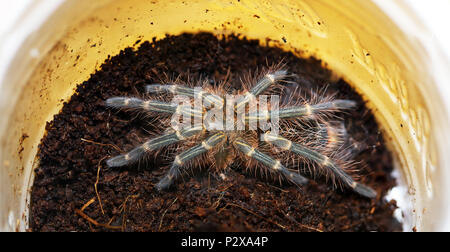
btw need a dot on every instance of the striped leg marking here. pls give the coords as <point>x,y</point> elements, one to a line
<point>309,110</point>
<point>274,165</point>
<point>136,103</point>
<point>153,106</point>
<point>156,143</point>
<point>186,91</point>
<point>324,161</point>
<point>303,111</point>
<point>185,156</point>
<point>170,88</point>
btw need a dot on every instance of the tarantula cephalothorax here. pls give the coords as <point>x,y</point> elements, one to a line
<point>303,132</point>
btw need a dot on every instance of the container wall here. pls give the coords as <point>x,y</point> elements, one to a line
<point>354,38</point>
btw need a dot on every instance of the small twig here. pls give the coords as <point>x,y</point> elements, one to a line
<point>311,228</point>
<point>222,194</point>
<point>110,220</point>
<point>101,144</point>
<point>162,217</point>
<point>96,184</point>
<point>275,187</point>
<point>225,189</point>
<point>94,222</point>
<point>217,203</point>
<point>302,225</point>
<point>123,205</point>
<point>251,212</point>
<point>87,204</point>
<point>123,209</point>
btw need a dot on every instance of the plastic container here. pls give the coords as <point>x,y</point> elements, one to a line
<point>57,44</point>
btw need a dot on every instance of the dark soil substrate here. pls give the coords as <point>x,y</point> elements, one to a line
<point>85,133</point>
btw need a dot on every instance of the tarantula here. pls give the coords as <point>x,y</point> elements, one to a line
<point>306,134</point>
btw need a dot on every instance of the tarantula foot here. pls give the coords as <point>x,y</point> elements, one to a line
<point>365,191</point>
<point>297,178</point>
<point>163,184</point>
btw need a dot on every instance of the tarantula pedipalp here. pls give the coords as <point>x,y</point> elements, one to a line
<point>304,134</point>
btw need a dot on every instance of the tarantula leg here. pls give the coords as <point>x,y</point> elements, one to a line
<point>153,106</point>
<point>170,88</point>
<point>186,91</point>
<point>185,156</point>
<point>268,161</point>
<point>136,103</point>
<point>151,145</point>
<point>324,161</point>
<point>309,110</point>
<point>305,110</point>
<point>268,80</point>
